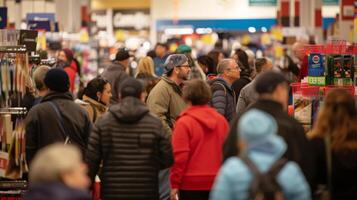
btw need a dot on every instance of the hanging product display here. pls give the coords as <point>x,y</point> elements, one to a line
<point>14,74</point>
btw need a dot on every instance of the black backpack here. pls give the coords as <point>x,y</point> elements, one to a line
<point>264,186</point>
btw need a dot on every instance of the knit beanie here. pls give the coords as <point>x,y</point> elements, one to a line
<point>69,54</point>
<point>57,80</point>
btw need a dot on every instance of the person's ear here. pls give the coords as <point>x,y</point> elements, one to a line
<point>99,96</point>
<point>143,96</point>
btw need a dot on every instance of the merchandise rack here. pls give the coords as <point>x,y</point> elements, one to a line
<point>13,186</point>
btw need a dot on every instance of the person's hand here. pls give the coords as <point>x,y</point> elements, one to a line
<point>174,194</point>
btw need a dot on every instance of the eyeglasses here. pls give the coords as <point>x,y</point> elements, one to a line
<point>185,66</point>
<point>234,68</point>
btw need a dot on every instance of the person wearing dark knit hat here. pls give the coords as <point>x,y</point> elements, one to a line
<point>116,72</point>
<point>57,80</point>
<point>57,118</point>
<point>129,131</point>
<point>66,62</point>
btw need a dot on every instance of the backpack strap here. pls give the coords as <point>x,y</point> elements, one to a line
<point>251,166</point>
<point>61,122</point>
<point>276,167</point>
<point>224,89</point>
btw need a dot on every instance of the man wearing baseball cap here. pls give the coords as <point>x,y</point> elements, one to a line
<point>166,102</point>
<point>116,73</point>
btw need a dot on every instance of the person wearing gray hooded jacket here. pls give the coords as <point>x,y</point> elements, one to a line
<point>115,73</point>
<point>133,146</point>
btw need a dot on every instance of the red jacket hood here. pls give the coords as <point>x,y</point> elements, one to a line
<point>202,114</point>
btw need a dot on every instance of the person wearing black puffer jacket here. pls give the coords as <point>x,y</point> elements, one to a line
<point>133,146</point>
<point>57,118</point>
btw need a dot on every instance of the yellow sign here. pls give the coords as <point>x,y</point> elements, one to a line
<point>207,39</point>
<point>246,39</point>
<point>279,51</point>
<point>265,39</point>
<point>84,36</point>
<point>277,34</point>
<point>41,41</point>
<point>120,35</point>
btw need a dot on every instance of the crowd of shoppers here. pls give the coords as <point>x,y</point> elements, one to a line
<point>184,128</point>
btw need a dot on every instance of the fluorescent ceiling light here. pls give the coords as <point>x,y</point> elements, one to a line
<point>203,30</point>
<point>252,29</point>
<point>178,31</point>
<point>264,29</point>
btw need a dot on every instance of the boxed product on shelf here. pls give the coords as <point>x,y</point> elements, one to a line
<point>348,69</point>
<point>316,65</point>
<point>316,70</point>
<point>340,70</point>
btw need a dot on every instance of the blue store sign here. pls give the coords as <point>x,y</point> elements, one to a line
<point>3,17</point>
<point>262,2</point>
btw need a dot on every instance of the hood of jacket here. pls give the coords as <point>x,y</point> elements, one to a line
<point>203,114</point>
<point>57,95</point>
<point>129,110</point>
<point>55,191</point>
<point>176,87</point>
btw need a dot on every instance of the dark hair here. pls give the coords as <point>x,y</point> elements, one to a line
<point>337,120</point>
<point>163,45</point>
<point>214,54</point>
<point>197,92</point>
<point>151,54</point>
<point>95,85</point>
<point>243,61</point>
<point>207,61</point>
<point>259,63</point>
<point>169,73</point>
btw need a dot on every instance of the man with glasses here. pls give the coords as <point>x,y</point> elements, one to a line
<point>223,96</point>
<point>166,102</point>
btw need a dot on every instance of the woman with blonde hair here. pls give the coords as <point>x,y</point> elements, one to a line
<point>334,139</point>
<point>146,73</point>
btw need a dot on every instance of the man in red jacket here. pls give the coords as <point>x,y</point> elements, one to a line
<point>197,142</point>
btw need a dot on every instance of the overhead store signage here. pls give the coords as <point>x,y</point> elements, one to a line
<point>39,25</point>
<point>262,2</point>
<point>3,17</point>
<point>41,21</point>
<point>29,39</point>
<point>100,18</point>
<point>41,17</point>
<point>330,2</point>
<point>131,19</point>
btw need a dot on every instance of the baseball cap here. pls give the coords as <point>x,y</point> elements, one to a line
<point>122,54</point>
<point>173,61</point>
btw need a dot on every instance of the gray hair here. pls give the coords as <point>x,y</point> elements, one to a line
<point>39,75</point>
<point>223,65</point>
<point>52,161</point>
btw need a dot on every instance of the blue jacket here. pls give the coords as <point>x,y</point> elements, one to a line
<point>234,178</point>
<point>159,65</point>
